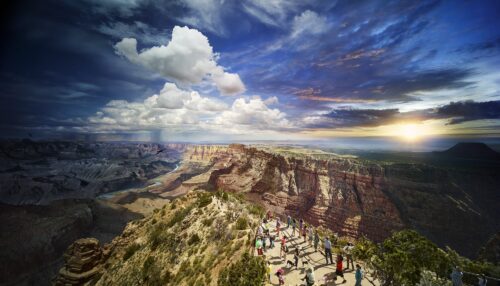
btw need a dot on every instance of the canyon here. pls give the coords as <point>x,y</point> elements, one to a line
<point>69,190</point>
<point>355,197</point>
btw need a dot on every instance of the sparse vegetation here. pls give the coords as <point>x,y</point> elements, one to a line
<point>194,239</point>
<point>131,249</point>
<point>204,199</point>
<point>256,210</point>
<point>248,271</point>
<point>241,223</point>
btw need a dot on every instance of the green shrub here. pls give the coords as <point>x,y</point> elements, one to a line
<point>131,249</point>
<point>241,223</point>
<point>256,210</point>
<point>194,239</point>
<point>204,200</point>
<point>248,271</point>
<point>151,273</point>
<point>207,222</point>
<point>179,216</point>
<point>407,258</point>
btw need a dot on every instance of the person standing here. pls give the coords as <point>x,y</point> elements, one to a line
<point>482,280</point>
<point>296,257</point>
<point>283,248</point>
<point>311,235</point>
<point>304,232</point>
<point>316,240</point>
<point>348,254</point>
<point>289,221</point>
<point>358,275</point>
<point>301,224</point>
<point>339,271</point>
<point>258,246</point>
<point>456,276</point>
<point>309,278</point>
<point>328,250</point>
<point>294,224</point>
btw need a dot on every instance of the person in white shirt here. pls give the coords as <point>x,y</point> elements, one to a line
<point>328,250</point>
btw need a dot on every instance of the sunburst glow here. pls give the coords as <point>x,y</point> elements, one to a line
<point>410,131</point>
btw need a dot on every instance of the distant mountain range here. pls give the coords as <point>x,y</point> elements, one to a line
<point>473,150</point>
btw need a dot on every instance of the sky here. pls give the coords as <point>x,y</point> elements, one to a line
<point>212,70</point>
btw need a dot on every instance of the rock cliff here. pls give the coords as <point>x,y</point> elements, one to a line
<point>355,197</point>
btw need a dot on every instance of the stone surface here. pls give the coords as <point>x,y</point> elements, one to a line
<point>82,263</point>
<point>451,206</point>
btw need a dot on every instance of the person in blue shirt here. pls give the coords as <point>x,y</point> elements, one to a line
<point>358,275</point>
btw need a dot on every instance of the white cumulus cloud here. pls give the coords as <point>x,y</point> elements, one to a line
<point>252,114</point>
<point>309,23</point>
<point>187,59</point>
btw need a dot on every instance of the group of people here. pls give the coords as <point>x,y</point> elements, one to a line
<point>309,235</point>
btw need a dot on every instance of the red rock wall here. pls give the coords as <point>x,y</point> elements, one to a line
<point>340,194</point>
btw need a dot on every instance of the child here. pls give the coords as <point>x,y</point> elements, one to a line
<point>281,276</point>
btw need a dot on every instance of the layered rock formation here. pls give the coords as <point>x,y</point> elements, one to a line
<point>82,263</point>
<point>355,197</point>
<point>40,172</point>
<point>33,238</point>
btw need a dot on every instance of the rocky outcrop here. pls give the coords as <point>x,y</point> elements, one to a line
<point>341,194</point>
<point>204,153</point>
<point>34,238</point>
<point>82,263</point>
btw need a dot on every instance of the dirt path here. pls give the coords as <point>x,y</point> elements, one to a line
<point>323,273</point>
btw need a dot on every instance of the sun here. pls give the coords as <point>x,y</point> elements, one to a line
<point>409,132</point>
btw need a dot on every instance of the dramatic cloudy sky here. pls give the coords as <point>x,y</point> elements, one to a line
<point>218,70</point>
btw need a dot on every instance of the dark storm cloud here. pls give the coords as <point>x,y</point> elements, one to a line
<point>469,110</point>
<point>358,117</point>
<point>454,112</point>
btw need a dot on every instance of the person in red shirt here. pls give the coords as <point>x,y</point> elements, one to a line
<point>339,270</point>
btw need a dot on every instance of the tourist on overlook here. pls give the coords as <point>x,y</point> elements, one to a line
<point>258,245</point>
<point>296,258</point>
<point>294,225</point>
<point>316,240</point>
<point>301,224</point>
<point>311,235</point>
<point>328,250</point>
<point>348,254</point>
<point>271,241</point>
<point>358,275</point>
<point>283,248</point>
<point>456,277</point>
<point>309,278</point>
<point>264,242</point>
<point>268,271</point>
<point>339,271</point>
<point>482,280</point>
<point>278,225</point>
<point>289,221</point>
<point>304,232</point>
